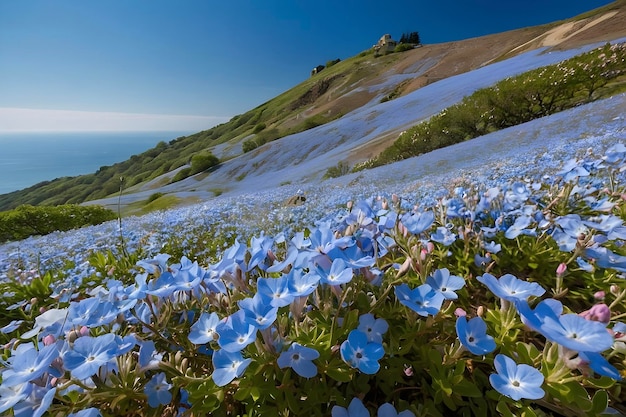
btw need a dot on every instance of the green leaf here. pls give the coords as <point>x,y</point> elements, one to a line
<point>339,374</point>
<point>599,402</point>
<point>503,409</point>
<point>467,389</point>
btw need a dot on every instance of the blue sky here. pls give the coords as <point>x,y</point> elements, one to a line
<point>188,65</point>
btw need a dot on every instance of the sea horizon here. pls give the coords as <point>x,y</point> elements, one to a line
<point>29,158</point>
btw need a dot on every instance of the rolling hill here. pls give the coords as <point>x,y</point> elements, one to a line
<point>346,113</point>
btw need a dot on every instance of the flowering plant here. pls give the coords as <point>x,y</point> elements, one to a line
<point>501,301</point>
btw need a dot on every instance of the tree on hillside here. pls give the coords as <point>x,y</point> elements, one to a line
<point>411,37</point>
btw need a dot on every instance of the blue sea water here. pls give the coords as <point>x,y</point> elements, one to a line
<point>29,158</point>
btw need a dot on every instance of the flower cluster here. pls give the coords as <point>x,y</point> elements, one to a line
<point>507,298</point>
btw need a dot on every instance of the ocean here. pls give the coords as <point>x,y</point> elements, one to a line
<point>29,158</point>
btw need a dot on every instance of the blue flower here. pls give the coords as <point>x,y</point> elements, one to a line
<point>36,404</point>
<point>148,356</point>
<point>88,354</point>
<point>228,366</point>
<point>373,328</point>
<point>355,409</point>
<point>28,364</point>
<point>444,236</point>
<point>358,353</point>
<point>302,285</point>
<point>473,335</point>
<point>88,412</point>
<point>441,281</point>
<point>11,395</point>
<point>258,311</point>
<point>157,391</point>
<point>509,288</point>
<point>423,299</point>
<point>299,358</point>
<point>203,331</point>
<point>577,333</point>
<point>519,227</point>
<point>388,410</point>
<point>275,290</point>
<point>416,223</point>
<point>492,247</point>
<point>599,364</point>
<point>14,325</point>
<point>235,333</point>
<point>516,381</point>
<point>339,273</point>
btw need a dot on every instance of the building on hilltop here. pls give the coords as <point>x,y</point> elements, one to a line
<point>317,69</point>
<point>385,44</point>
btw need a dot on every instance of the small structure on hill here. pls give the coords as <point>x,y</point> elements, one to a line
<point>317,69</point>
<point>385,44</point>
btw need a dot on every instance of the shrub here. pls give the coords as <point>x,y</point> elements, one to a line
<point>342,168</point>
<point>27,220</point>
<point>510,102</point>
<point>258,128</point>
<point>401,47</point>
<point>153,197</point>
<point>202,162</point>
<point>181,175</point>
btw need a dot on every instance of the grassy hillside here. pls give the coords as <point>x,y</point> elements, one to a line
<point>286,114</point>
<point>337,90</point>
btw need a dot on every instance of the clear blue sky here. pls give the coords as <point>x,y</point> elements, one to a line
<point>202,61</point>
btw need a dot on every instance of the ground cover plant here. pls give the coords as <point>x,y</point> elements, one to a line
<point>505,299</point>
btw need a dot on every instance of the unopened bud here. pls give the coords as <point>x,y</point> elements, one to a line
<point>459,312</point>
<point>560,270</point>
<point>480,311</point>
<point>599,295</point>
<point>614,289</point>
<point>599,312</point>
<point>48,340</point>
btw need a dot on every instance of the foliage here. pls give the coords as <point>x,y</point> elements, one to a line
<point>181,174</point>
<point>260,139</point>
<point>513,101</point>
<point>332,62</point>
<point>401,47</point>
<point>27,220</point>
<point>411,38</point>
<point>342,168</point>
<point>154,196</point>
<point>203,161</point>
<point>462,307</point>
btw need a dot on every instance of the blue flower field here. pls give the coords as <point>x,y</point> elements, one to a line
<point>487,278</point>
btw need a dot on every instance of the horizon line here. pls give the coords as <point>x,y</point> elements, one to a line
<point>17,119</point>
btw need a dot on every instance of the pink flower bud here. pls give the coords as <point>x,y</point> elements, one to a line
<point>408,370</point>
<point>599,295</point>
<point>48,340</point>
<point>459,312</point>
<point>560,270</point>
<point>599,312</point>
